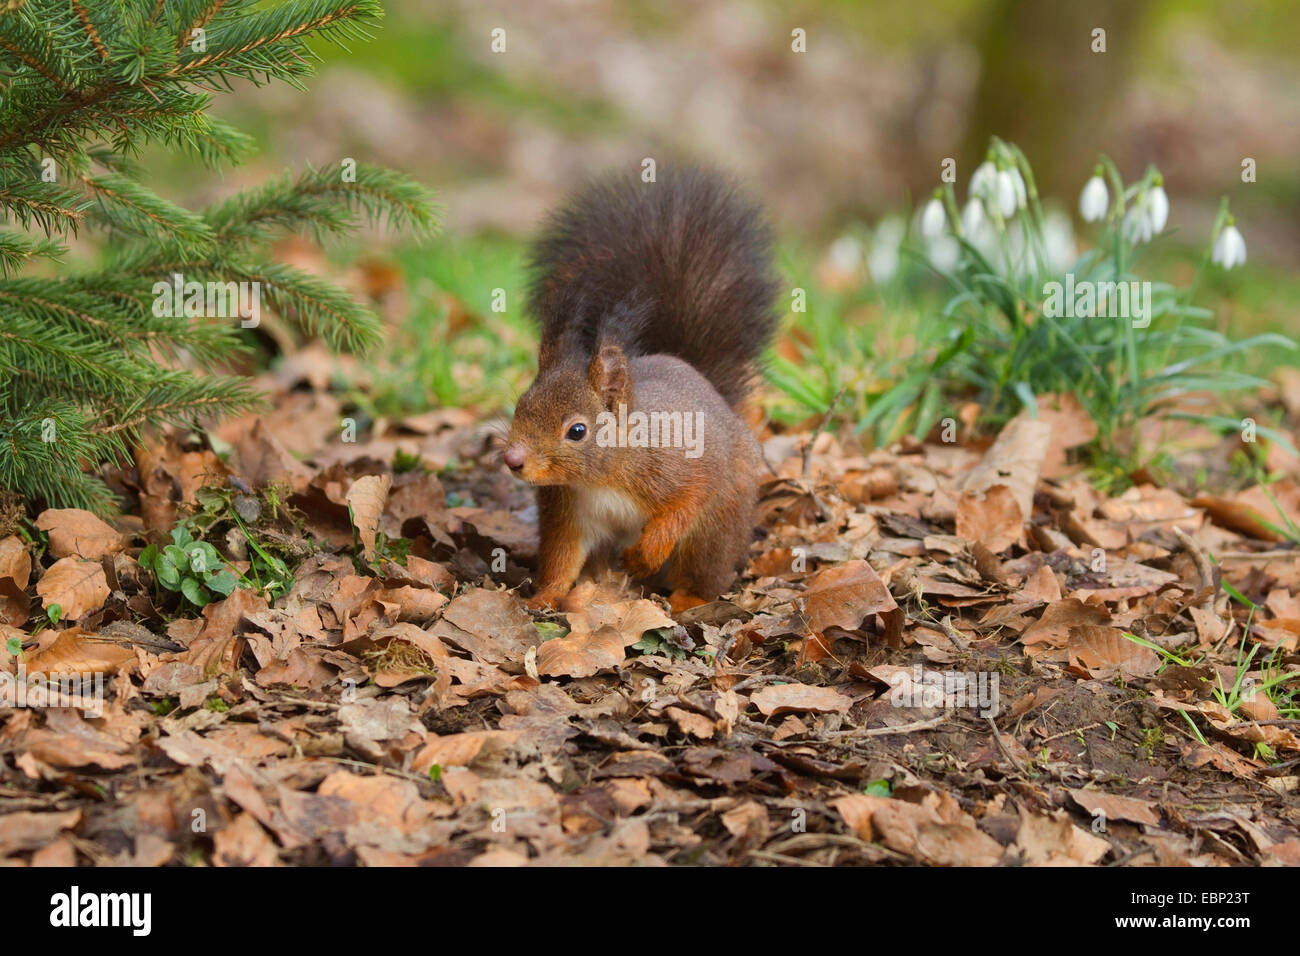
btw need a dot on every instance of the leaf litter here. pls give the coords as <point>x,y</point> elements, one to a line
<point>939,654</point>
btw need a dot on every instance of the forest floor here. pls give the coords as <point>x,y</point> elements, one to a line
<point>941,653</point>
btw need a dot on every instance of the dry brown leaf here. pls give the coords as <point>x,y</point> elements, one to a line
<point>996,518</point>
<point>689,722</point>
<point>24,830</point>
<point>491,625</point>
<point>366,499</point>
<point>461,750</point>
<point>1255,512</point>
<point>843,596</point>
<point>243,842</point>
<point>15,572</point>
<point>936,831</point>
<point>1071,427</point>
<point>783,698</point>
<point>1056,841</point>
<point>1053,628</point>
<point>1112,806</point>
<point>75,585</point>
<point>1105,652</point>
<point>74,651</point>
<point>583,654</point>
<point>77,533</point>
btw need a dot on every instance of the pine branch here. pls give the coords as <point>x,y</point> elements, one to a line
<point>52,207</point>
<point>22,41</point>
<point>249,41</point>
<point>322,200</point>
<point>16,249</point>
<point>92,363</point>
<point>127,206</point>
<point>91,32</point>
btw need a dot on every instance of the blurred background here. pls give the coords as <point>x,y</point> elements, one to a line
<point>833,141</point>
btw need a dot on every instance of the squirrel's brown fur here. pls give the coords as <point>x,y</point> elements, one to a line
<point>653,298</point>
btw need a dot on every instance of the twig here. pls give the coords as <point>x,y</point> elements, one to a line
<point>911,728</point>
<point>812,439</point>
<point>771,857</point>
<point>997,739</point>
<point>1070,733</point>
<point>1202,563</point>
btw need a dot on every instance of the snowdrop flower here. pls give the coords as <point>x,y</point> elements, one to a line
<point>883,258</point>
<point>933,218</point>
<point>977,228</point>
<point>1009,191</point>
<point>972,217</point>
<point>983,180</point>
<point>1018,184</point>
<point>845,254</point>
<point>1229,248</point>
<point>1158,206</point>
<point>1017,252</point>
<point>1145,218</point>
<point>1095,199</point>
<point>1058,241</point>
<point>943,253</point>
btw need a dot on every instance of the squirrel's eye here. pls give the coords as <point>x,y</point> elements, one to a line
<point>576,432</point>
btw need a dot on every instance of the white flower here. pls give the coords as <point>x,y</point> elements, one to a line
<point>972,217</point>
<point>1018,184</point>
<point>1007,197</point>
<point>944,253</point>
<point>1137,225</point>
<point>982,181</point>
<point>1149,215</point>
<point>1058,241</point>
<point>845,254</point>
<point>1094,200</point>
<point>933,219</point>
<point>1229,248</point>
<point>1158,206</point>
<point>883,258</point>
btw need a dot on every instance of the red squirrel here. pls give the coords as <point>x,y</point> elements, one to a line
<point>655,301</point>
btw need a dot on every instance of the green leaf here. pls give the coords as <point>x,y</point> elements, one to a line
<point>879,788</point>
<point>194,592</point>
<point>222,582</point>
<point>166,573</point>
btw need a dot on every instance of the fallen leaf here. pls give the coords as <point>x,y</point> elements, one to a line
<point>77,586</point>
<point>366,499</point>
<point>935,831</point>
<point>995,518</point>
<point>74,651</point>
<point>15,572</point>
<point>1055,841</point>
<point>1105,652</point>
<point>783,698</point>
<point>843,596</point>
<point>77,533</point>
<point>581,655</point>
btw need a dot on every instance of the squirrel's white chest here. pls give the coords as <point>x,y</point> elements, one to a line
<point>608,516</point>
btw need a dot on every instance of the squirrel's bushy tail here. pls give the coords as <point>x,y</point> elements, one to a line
<point>682,266</point>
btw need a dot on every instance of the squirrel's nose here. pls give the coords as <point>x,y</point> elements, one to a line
<point>516,454</point>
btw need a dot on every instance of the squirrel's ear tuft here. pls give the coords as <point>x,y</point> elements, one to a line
<point>608,375</point>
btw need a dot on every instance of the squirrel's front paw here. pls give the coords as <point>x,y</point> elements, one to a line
<point>638,565</point>
<point>545,599</point>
